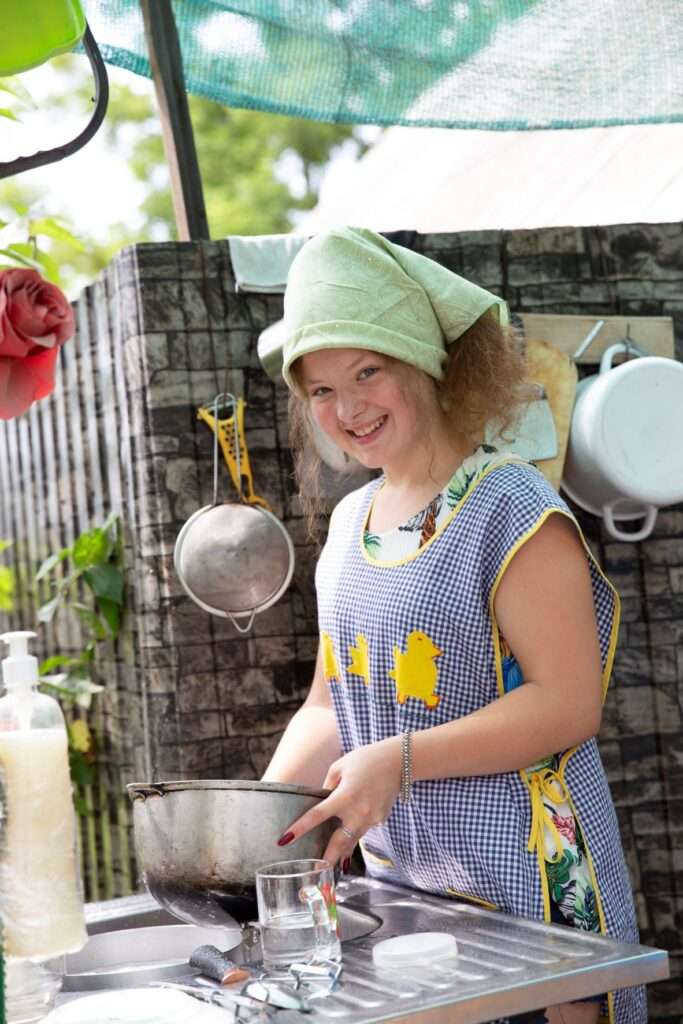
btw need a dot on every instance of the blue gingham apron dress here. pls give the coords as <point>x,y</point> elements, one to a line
<point>413,643</point>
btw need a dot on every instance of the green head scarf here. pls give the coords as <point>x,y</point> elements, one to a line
<point>351,288</point>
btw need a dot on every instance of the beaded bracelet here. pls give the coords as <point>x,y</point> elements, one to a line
<point>406,767</point>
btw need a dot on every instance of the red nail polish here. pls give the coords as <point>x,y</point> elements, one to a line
<point>286,838</point>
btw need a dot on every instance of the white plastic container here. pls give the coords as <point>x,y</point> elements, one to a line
<point>625,453</point>
<point>40,899</point>
<point>418,949</point>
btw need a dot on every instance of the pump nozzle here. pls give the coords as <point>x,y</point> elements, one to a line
<point>20,669</point>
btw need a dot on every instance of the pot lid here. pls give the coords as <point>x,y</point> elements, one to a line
<point>639,441</point>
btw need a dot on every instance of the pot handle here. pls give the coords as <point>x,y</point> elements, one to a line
<point>627,346</point>
<point>139,792</point>
<point>650,513</point>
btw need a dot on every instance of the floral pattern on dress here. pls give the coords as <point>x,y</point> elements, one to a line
<point>569,877</point>
<point>425,523</point>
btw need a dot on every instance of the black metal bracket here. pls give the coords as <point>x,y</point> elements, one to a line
<point>49,156</point>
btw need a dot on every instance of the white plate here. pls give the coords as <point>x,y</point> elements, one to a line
<point>138,1006</point>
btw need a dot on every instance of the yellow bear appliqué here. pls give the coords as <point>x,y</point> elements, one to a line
<point>330,663</point>
<point>360,659</point>
<point>415,671</point>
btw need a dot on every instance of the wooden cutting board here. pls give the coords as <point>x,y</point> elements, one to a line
<point>556,371</point>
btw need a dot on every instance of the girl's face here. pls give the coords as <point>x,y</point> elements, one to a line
<point>362,403</point>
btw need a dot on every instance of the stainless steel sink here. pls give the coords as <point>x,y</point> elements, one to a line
<point>134,942</point>
<point>505,965</point>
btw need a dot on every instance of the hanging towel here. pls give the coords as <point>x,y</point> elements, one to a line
<point>261,263</point>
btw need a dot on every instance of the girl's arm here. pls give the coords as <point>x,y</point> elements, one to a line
<point>544,608</point>
<point>310,742</point>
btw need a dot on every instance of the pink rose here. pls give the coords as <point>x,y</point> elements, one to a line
<point>35,321</point>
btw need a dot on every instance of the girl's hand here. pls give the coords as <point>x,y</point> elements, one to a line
<point>365,784</point>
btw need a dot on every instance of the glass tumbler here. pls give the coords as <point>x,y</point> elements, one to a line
<point>297,913</point>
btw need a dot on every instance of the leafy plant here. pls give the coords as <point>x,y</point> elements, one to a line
<point>95,560</point>
<point>22,241</point>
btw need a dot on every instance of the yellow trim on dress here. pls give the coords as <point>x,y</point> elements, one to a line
<point>384,861</point>
<point>447,521</point>
<point>471,899</point>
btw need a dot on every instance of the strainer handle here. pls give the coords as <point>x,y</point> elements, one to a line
<point>243,629</point>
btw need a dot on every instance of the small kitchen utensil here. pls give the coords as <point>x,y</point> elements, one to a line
<point>625,454</point>
<point>200,842</point>
<point>241,1005</point>
<point>234,559</point>
<point>297,912</point>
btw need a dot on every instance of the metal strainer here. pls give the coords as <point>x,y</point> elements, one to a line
<point>234,559</point>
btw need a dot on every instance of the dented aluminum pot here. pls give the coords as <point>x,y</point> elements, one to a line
<point>199,842</point>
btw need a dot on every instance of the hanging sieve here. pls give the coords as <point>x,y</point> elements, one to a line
<point>233,558</point>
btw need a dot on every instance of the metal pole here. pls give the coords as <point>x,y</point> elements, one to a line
<point>166,61</point>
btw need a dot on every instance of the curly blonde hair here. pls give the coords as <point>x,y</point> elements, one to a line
<point>485,381</point>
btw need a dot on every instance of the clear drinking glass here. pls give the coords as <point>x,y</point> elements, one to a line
<point>297,912</point>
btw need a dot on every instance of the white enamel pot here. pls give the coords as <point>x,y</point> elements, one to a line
<point>625,452</point>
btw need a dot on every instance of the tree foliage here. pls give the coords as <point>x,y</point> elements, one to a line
<point>257,169</point>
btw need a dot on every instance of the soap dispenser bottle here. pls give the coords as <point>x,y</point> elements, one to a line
<point>41,907</point>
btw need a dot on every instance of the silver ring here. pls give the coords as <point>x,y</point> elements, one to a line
<point>347,831</point>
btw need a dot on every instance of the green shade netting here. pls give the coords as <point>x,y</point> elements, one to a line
<point>502,64</point>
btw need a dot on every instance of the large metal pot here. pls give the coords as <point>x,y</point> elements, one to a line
<point>200,842</point>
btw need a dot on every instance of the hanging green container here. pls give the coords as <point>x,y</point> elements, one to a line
<point>33,31</point>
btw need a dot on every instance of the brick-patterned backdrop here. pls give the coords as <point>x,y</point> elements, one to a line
<point>162,332</point>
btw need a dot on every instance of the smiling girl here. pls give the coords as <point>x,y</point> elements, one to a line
<point>466,634</point>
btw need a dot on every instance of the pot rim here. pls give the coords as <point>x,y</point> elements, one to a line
<point>143,789</point>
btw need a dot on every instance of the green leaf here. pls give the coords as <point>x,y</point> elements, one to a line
<point>81,771</point>
<point>12,252</point>
<point>91,547</point>
<point>6,589</point>
<point>91,619</point>
<point>70,688</point>
<point>111,520</point>
<point>51,268</point>
<point>9,114</point>
<point>50,562</point>
<point>105,581</point>
<point>53,228</point>
<point>81,806</point>
<point>13,85</point>
<point>111,612</point>
<point>55,661</point>
<point>47,611</point>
